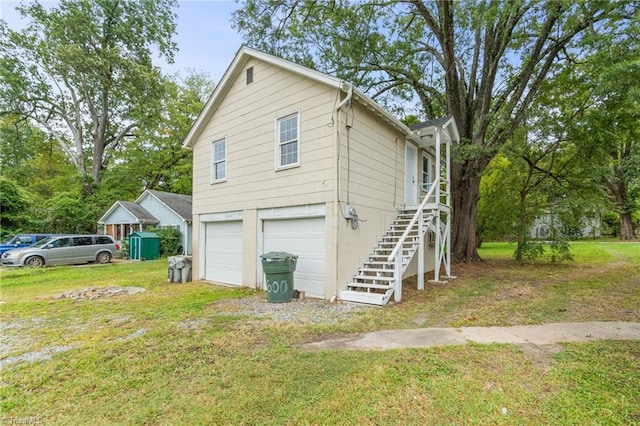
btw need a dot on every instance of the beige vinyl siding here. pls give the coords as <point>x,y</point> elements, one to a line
<point>247,118</point>
<point>374,163</point>
<point>375,168</point>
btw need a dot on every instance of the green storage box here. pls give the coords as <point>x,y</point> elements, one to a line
<point>278,268</point>
<point>144,246</point>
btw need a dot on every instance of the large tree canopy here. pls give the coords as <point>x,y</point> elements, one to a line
<point>481,61</point>
<point>155,158</point>
<point>609,128</point>
<point>83,72</point>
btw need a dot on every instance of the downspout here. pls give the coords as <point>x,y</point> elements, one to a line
<point>347,99</point>
<point>336,201</point>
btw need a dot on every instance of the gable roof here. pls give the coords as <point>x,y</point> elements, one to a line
<point>180,204</point>
<point>139,213</point>
<point>430,123</point>
<point>237,65</point>
<point>445,125</point>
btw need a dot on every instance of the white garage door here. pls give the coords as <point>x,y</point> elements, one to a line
<point>223,252</point>
<point>306,238</point>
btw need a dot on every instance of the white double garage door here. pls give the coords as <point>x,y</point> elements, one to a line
<point>304,237</point>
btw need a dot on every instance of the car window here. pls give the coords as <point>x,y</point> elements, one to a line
<point>11,240</point>
<point>43,242</point>
<point>103,240</point>
<point>41,237</point>
<point>82,241</point>
<point>61,242</point>
<point>25,239</point>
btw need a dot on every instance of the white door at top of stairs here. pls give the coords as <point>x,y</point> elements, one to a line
<point>223,252</point>
<point>304,237</point>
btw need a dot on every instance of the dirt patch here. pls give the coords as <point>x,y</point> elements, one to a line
<point>541,356</point>
<point>41,355</point>
<point>93,293</point>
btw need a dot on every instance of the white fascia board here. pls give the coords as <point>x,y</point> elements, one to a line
<point>108,213</point>
<point>448,129</point>
<point>113,208</point>
<point>453,131</point>
<point>142,196</point>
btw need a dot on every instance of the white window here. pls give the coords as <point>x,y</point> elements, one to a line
<point>287,138</point>
<point>219,161</point>
<point>426,172</point>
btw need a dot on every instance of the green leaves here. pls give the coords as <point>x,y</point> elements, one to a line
<point>83,71</point>
<point>92,118</point>
<point>482,62</point>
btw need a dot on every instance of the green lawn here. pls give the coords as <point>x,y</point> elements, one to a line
<point>172,355</point>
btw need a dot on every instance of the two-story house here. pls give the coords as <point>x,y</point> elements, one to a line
<point>286,158</point>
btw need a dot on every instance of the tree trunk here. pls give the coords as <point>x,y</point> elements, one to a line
<point>617,189</point>
<point>96,163</point>
<point>466,193</point>
<point>626,227</point>
<point>521,227</point>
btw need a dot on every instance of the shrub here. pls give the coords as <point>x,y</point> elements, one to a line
<point>170,240</point>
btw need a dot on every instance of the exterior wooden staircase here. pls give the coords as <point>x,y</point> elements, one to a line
<point>376,281</point>
<point>381,276</point>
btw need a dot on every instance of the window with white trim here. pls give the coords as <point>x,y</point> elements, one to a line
<point>426,172</point>
<point>219,160</point>
<point>288,138</point>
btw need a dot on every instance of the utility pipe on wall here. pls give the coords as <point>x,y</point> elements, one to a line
<point>336,201</point>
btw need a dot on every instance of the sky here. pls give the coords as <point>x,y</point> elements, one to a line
<point>205,39</point>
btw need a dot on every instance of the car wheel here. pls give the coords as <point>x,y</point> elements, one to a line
<point>35,262</point>
<point>103,257</point>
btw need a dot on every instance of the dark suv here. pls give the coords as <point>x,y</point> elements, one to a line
<point>64,250</point>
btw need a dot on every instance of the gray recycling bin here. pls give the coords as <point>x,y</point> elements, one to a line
<point>278,267</point>
<point>179,269</point>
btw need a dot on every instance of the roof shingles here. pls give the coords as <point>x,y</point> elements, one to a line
<point>179,203</point>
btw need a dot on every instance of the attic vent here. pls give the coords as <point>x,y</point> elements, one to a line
<point>249,75</point>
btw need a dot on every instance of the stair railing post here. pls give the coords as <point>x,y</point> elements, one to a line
<point>438,259</point>
<point>421,249</point>
<point>397,276</point>
<point>447,242</point>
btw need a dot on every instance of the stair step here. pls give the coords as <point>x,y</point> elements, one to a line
<point>366,269</point>
<point>403,226</point>
<point>386,257</point>
<point>387,251</point>
<point>371,286</point>
<point>393,244</point>
<point>389,265</point>
<point>372,278</point>
<point>364,297</point>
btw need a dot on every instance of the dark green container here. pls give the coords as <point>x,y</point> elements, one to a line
<point>144,246</point>
<point>278,267</point>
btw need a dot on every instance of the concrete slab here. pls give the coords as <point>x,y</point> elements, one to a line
<point>524,334</point>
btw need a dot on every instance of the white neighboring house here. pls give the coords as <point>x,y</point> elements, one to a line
<point>544,225</point>
<point>152,209</point>
<point>286,158</point>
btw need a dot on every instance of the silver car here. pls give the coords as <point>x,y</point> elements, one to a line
<point>64,250</point>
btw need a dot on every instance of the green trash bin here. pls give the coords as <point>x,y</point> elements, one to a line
<point>278,267</point>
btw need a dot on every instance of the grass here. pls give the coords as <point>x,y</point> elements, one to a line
<point>171,355</point>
